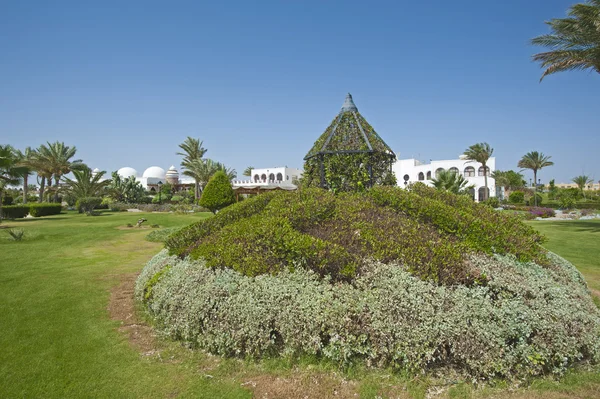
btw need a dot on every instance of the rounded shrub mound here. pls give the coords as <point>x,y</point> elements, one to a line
<point>417,280</point>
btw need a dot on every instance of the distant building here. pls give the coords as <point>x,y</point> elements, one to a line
<point>591,186</point>
<point>154,175</point>
<point>283,177</point>
<point>412,170</point>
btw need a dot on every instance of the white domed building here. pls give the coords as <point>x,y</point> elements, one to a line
<point>127,172</point>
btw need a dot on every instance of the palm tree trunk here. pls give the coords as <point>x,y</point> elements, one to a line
<point>25,181</point>
<point>56,178</point>
<point>42,187</point>
<point>486,195</point>
<point>1,193</point>
<point>197,189</point>
<point>535,188</point>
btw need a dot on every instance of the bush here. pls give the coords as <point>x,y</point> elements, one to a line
<point>87,204</point>
<point>492,201</point>
<point>44,209</point>
<point>7,200</point>
<point>516,197</point>
<point>15,211</point>
<point>528,320</point>
<point>543,212</point>
<point>160,235</point>
<point>176,198</point>
<point>218,193</point>
<point>531,202</point>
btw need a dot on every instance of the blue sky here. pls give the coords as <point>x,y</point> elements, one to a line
<point>258,82</point>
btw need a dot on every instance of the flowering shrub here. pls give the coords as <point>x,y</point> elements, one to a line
<point>542,212</point>
<point>527,320</point>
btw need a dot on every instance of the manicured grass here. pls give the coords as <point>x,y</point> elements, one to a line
<point>57,339</point>
<point>578,241</point>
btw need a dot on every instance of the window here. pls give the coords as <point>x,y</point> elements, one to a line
<point>438,171</point>
<point>429,175</point>
<point>279,177</point>
<point>256,178</point>
<point>469,171</point>
<point>263,177</point>
<point>406,178</point>
<point>454,170</point>
<point>483,172</point>
<point>482,193</point>
<point>271,177</point>
<point>421,176</point>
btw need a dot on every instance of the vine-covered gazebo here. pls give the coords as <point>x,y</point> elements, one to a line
<point>349,155</point>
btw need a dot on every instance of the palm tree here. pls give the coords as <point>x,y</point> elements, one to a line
<point>248,171</point>
<point>508,179</point>
<point>86,183</point>
<point>574,42</point>
<point>451,181</point>
<point>481,152</point>
<point>581,182</point>
<point>192,152</point>
<point>57,157</point>
<point>10,171</point>
<point>535,161</point>
<point>26,160</point>
<point>203,169</point>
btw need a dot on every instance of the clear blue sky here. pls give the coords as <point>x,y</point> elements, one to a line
<point>258,82</point>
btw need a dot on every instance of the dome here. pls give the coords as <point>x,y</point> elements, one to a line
<point>172,171</point>
<point>96,170</point>
<point>154,171</point>
<point>127,172</point>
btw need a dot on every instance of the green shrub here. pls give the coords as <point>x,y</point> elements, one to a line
<point>529,200</point>
<point>44,209</point>
<point>88,204</point>
<point>176,198</point>
<point>16,234</point>
<point>15,211</point>
<point>218,193</point>
<point>160,235</point>
<point>516,197</point>
<point>528,320</point>
<point>492,201</point>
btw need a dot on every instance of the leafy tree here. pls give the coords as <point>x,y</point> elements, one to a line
<point>10,171</point>
<point>453,182</point>
<point>581,182</point>
<point>481,152</point>
<point>192,154</point>
<point>508,179</point>
<point>574,42</point>
<point>58,157</point>
<point>248,171</point>
<point>218,193</point>
<point>552,190</point>
<point>85,184</point>
<point>127,190</point>
<point>535,161</point>
<point>203,169</point>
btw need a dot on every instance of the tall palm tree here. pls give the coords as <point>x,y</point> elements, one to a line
<point>26,160</point>
<point>10,171</point>
<point>581,182</point>
<point>192,152</point>
<point>203,169</point>
<point>481,152</point>
<point>85,183</point>
<point>58,158</point>
<point>574,42</point>
<point>451,181</point>
<point>535,161</point>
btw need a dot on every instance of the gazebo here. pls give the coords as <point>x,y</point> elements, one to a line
<point>349,155</point>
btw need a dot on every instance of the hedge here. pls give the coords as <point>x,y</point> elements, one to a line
<point>36,210</point>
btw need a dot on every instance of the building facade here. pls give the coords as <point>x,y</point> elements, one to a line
<point>272,177</point>
<point>412,170</point>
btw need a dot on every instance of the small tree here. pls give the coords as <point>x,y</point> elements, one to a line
<point>581,182</point>
<point>218,193</point>
<point>449,181</point>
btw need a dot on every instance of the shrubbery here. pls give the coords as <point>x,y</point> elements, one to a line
<point>218,193</point>
<point>528,319</point>
<point>15,211</point>
<point>35,209</point>
<point>516,197</point>
<point>88,204</point>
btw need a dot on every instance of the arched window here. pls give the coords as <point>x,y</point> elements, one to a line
<point>406,177</point>
<point>472,193</point>
<point>263,177</point>
<point>256,178</point>
<point>279,177</point>
<point>271,177</point>
<point>482,172</point>
<point>454,170</point>
<point>469,171</point>
<point>429,175</point>
<point>438,171</point>
<point>482,194</point>
<point>421,176</point>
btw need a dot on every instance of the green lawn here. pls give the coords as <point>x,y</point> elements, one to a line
<point>57,339</point>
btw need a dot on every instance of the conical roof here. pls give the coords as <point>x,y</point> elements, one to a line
<point>349,132</point>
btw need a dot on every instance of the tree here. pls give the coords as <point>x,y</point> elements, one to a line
<point>192,153</point>
<point>218,193</point>
<point>248,171</point>
<point>481,152</point>
<point>85,184</point>
<point>203,169</point>
<point>451,181</point>
<point>10,171</point>
<point>535,161</point>
<point>26,160</point>
<point>581,182</point>
<point>58,156</point>
<point>509,179</point>
<point>127,190</point>
<point>574,42</point>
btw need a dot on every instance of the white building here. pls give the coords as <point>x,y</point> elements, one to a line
<point>282,177</point>
<point>155,174</point>
<point>412,170</point>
